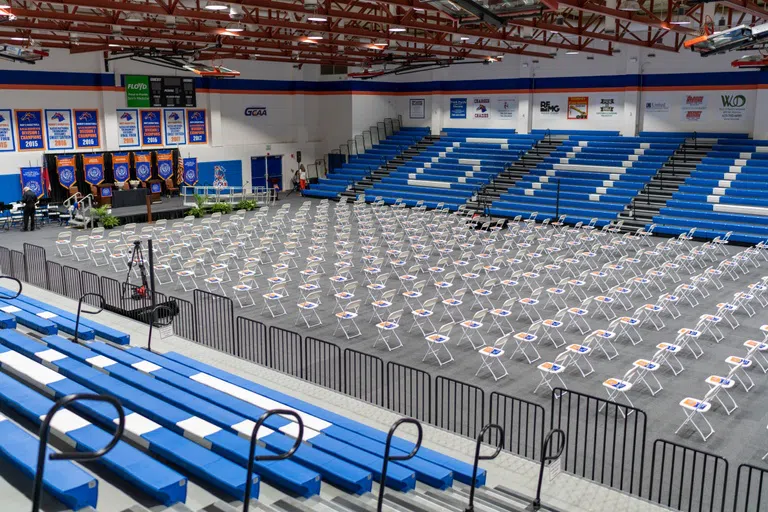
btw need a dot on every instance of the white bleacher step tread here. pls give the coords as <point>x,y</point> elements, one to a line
<point>28,369</point>
<point>66,421</point>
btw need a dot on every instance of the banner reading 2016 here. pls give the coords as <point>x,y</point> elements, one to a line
<point>58,129</point>
<point>29,126</point>
<point>87,132</point>
<point>151,128</point>
<point>7,140</point>
<point>175,127</point>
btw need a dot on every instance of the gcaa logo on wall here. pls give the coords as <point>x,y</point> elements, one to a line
<point>256,112</point>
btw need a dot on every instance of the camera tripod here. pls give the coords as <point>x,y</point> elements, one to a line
<point>137,257</point>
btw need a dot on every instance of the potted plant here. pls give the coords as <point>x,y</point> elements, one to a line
<point>103,214</point>
<point>246,204</point>
<point>221,208</point>
<point>199,210</point>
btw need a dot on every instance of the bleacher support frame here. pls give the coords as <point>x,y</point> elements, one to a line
<point>625,467</point>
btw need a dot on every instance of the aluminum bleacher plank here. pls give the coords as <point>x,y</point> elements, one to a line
<point>62,323</point>
<point>63,480</point>
<point>284,473</point>
<point>34,322</point>
<point>338,472</point>
<point>210,467</point>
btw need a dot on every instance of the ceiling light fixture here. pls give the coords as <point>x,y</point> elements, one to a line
<point>215,6</point>
<point>315,37</point>
<point>134,18</point>
<point>680,18</point>
<point>629,5</point>
<point>464,38</point>
<point>396,29</point>
<point>18,39</point>
<point>317,18</point>
<point>235,27</point>
<point>571,52</point>
<point>114,45</point>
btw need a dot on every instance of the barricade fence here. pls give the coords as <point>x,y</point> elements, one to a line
<point>605,441</point>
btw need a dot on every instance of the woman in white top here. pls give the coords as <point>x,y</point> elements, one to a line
<point>302,177</point>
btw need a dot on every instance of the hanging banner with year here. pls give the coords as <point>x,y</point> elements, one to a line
<point>32,177</point>
<point>58,129</point>
<point>190,171</point>
<point>29,127</point>
<point>143,161</point>
<point>128,128</point>
<point>175,127</point>
<point>65,166</point>
<point>165,164</point>
<point>121,167</point>
<point>87,131</point>
<point>151,128</point>
<point>94,168</point>
<point>7,140</point>
<point>197,125</point>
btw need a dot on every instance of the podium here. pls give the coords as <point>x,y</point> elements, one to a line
<point>104,193</point>
<point>155,189</point>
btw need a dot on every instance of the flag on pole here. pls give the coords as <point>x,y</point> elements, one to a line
<point>45,178</point>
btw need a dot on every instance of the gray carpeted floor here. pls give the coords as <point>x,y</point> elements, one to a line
<point>740,437</point>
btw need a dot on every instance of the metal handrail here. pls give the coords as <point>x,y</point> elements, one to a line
<point>153,319</point>
<point>80,307</point>
<point>278,456</point>
<point>17,282</point>
<point>544,458</point>
<point>388,457</point>
<point>80,456</point>
<point>478,458</point>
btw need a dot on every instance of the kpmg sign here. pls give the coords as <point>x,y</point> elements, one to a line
<point>256,112</point>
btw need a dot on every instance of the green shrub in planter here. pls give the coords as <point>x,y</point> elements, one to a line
<point>221,208</point>
<point>196,212</point>
<point>246,204</point>
<point>109,221</point>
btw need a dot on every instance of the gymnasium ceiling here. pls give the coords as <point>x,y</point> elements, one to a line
<point>361,33</point>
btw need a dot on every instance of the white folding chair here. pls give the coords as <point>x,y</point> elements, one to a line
<point>471,329</point>
<point>491,356</point>
<point>308,310</point>
<point>388,329</point>
<point>273,300</point>
<point>551,370</point>
<point>580,356</point>
<point>695,411</point>
<point>345,320</point>
<point>725,384</point>
<point>422,317</point>
<point>524,341</point>
<point>646,370</point>
<point>242,292</point>
<point>436,344</point>
<point>620,387</point>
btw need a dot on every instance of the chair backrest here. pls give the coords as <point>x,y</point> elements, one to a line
<point>389,295</point>
<point>313,297</point>
<point>459,293</point>
<point>417,287</point>
<point>480,315</point>
<point>395,316</point>
<point>413,270</point>
<point>445,329</point>
<point>430,303</point>
<point>353,306</point>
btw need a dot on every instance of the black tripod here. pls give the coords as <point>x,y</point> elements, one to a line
<point>137,257</point>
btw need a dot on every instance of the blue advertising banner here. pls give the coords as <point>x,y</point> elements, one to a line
<point>143,165</point>
<point>190,171</point>
<point>221,174</point>
<point>65,166</point>
<point>151,128</point>
<point>121,167</point>
<point>165,164</point>
<point>458,108</point>
<point>7,139</point>
<point>32,177</point>
<point>87,131</point>
<point>128,128</point>
<point>58,129</point>
<point>29,128</point>
<point>197,125</point>
<point>94,168</point>
<point>175,127</point>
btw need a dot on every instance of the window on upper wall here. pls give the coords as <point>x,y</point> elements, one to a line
<point>330,69</point>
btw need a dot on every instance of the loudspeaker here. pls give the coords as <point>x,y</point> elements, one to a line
<point>298,157</point>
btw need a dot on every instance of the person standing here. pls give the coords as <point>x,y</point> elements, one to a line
<point>29,199</point>
<point>302,177</point>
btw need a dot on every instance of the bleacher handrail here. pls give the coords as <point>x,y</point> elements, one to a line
<point>278,456</point>
<point>102,305</point>
<point>45,429</point>
<point>17,282</point>
<point>478,458</point>
<point>536,505</point>
<point>395,458</point>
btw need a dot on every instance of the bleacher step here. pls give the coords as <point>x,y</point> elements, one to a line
<point>512,495</point>
<point>220,506</point>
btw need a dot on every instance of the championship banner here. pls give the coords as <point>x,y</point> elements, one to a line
<point>7,140</point>
<point>87,132</point>
<point>32,177</point>
<point>143,161</point>
<point>29,127</point>
<point>197,125</point>
<point>65,166</point>
<point>94,168</point>
<point>175,127</point>
<point>58,129</point>
<point>121,167</point>
<point>165,164</point>
<point>190,171</point>
<point>151,128</point>
<point>128,128</point>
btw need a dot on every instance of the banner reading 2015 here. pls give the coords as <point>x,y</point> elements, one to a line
<point>29,126</point>
<point>7,140</point>
<point>151,128</point>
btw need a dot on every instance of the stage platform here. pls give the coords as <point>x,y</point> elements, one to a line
<point>168,208</point>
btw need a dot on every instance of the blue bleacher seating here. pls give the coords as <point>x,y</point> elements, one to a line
<point>360,166</point>
<point>725,193</point>
<point>596,174</point>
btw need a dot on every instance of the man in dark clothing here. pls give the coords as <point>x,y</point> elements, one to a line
<point>29,199</point>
